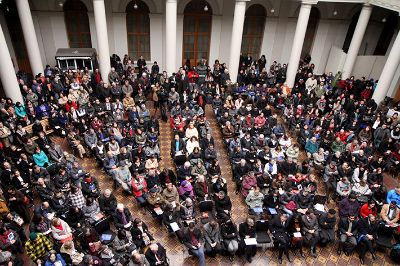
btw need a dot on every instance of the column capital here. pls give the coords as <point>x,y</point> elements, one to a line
<point>242,0</point>
<point>367,6</point>
<point>171,1</point>
<point>309,2</point>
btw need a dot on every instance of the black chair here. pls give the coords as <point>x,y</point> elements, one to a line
<point>103,228</point>
<point>206,208</point>
<point>262,235</point>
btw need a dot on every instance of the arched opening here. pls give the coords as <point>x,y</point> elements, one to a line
<point>253,30</point>
<point>17,37</point>
<point>350,32</point>
<point>196,32</point>
<point>138,30</point>
<point>310,32</point>
<point>387,34</point>
<point>77,23</point>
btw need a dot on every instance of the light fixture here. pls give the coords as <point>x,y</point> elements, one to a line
<point>272,10</point>
<point>384,20</point>
<point>206,8</point>
<point>135,6</point>
<point>8,10</point>
<point>60,4</point>
<point>335,13</point>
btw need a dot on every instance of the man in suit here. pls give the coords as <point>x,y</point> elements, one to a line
<point>156,255</point>
<point>279,228</point>
<point>212,236</point>
<point>193,240</point>
<point>368,227</point>
<point>348,228</point>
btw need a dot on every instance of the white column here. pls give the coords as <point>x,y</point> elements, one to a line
<point>355,44</point>
<point>297,46</point>
<point>236,38</point>
<point>7,73</point>
<point>388,72</point>
<point>31,41</point>
<point>102,38</point>
<point>170,37</point>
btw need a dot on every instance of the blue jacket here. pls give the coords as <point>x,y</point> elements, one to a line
<point>393,196</point>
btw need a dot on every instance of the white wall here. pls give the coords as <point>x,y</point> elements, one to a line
<point>156,39</point>
<point>267,45</point>
<point>215,39</point>
<point>93,34</point>
<point>179,41</point>
<point>51,34</point>
<point>329,33</point>
<point>226,31</point>
<point>119,36</point>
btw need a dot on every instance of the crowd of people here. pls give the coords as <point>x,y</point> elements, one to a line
<point>288,147</point>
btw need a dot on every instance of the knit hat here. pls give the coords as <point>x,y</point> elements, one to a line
<point>32,236</point>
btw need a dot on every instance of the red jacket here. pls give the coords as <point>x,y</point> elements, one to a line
<point>365,211</point>
<point>136,184</point>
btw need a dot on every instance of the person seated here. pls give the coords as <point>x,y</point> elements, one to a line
<point>156,255</point>
<point>362,191</point>
<point>187,211</point>
<point>191,144</point>
<point>390,213</point>
<point>343,187</point>
<point>247,230</point>
<point>155,202</point>
<point>40,158</point>
<point>193,240</point>
<point>122,243</point>
<point>139,189</point>
<point>151,163</point>
<point>185,190</point>
<point>394,195</point>
<point>91,211</point>
<point>304,201</point>
<point>348,230</point>
<point>367,231</point>
<point>218,184</point>
<point>254,200</point>
<point>122,217</point>
<point>327,223</point>
<point>212,236</point>
<point>107,202</point>
<point>60,203</point>
<point>311,146</point>
<point>229,235</point>
<point>349,206</point>
<point>141,235</point>
<point>124,177</point>
<point>223,205</point>
<point>90,186</point>
<point>60,230</point>
<point>201,188</point>
<point>310,231</point>
<point>368,208</point>
<point>185,172</point>
<point>249,181</point>
<point>198,170</point>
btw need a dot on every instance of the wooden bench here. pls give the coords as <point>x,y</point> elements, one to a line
<point>46,127</point>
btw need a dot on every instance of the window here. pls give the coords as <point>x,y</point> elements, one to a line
<point>138,29</point>
<point>77,22</point>
<point>196,32</point>
<point>253,31</point>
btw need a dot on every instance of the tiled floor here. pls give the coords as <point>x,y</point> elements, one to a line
<point>178,254</point>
